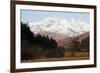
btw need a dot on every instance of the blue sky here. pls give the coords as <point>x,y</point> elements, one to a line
<point>37,15</point>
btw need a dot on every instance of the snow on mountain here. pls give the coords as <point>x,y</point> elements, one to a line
<point>50,26</point>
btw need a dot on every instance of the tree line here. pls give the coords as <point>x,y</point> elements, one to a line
<point>43,41</point>
<point>35,45</point>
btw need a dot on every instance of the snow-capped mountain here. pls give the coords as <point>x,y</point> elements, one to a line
<point>57,28</point>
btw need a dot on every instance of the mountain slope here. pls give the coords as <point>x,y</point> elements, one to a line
<point>80,42</point>
<point>59,28</point>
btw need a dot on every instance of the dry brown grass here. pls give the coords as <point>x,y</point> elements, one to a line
<point>67,57</point>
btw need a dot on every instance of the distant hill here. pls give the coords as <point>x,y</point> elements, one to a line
<point>81,41</point>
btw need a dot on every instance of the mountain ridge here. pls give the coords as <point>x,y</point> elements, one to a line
<point>57,28</point>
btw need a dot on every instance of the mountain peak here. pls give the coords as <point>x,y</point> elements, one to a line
<point>51,26</point>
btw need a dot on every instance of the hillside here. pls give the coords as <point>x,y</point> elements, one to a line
<point>81,41</point>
